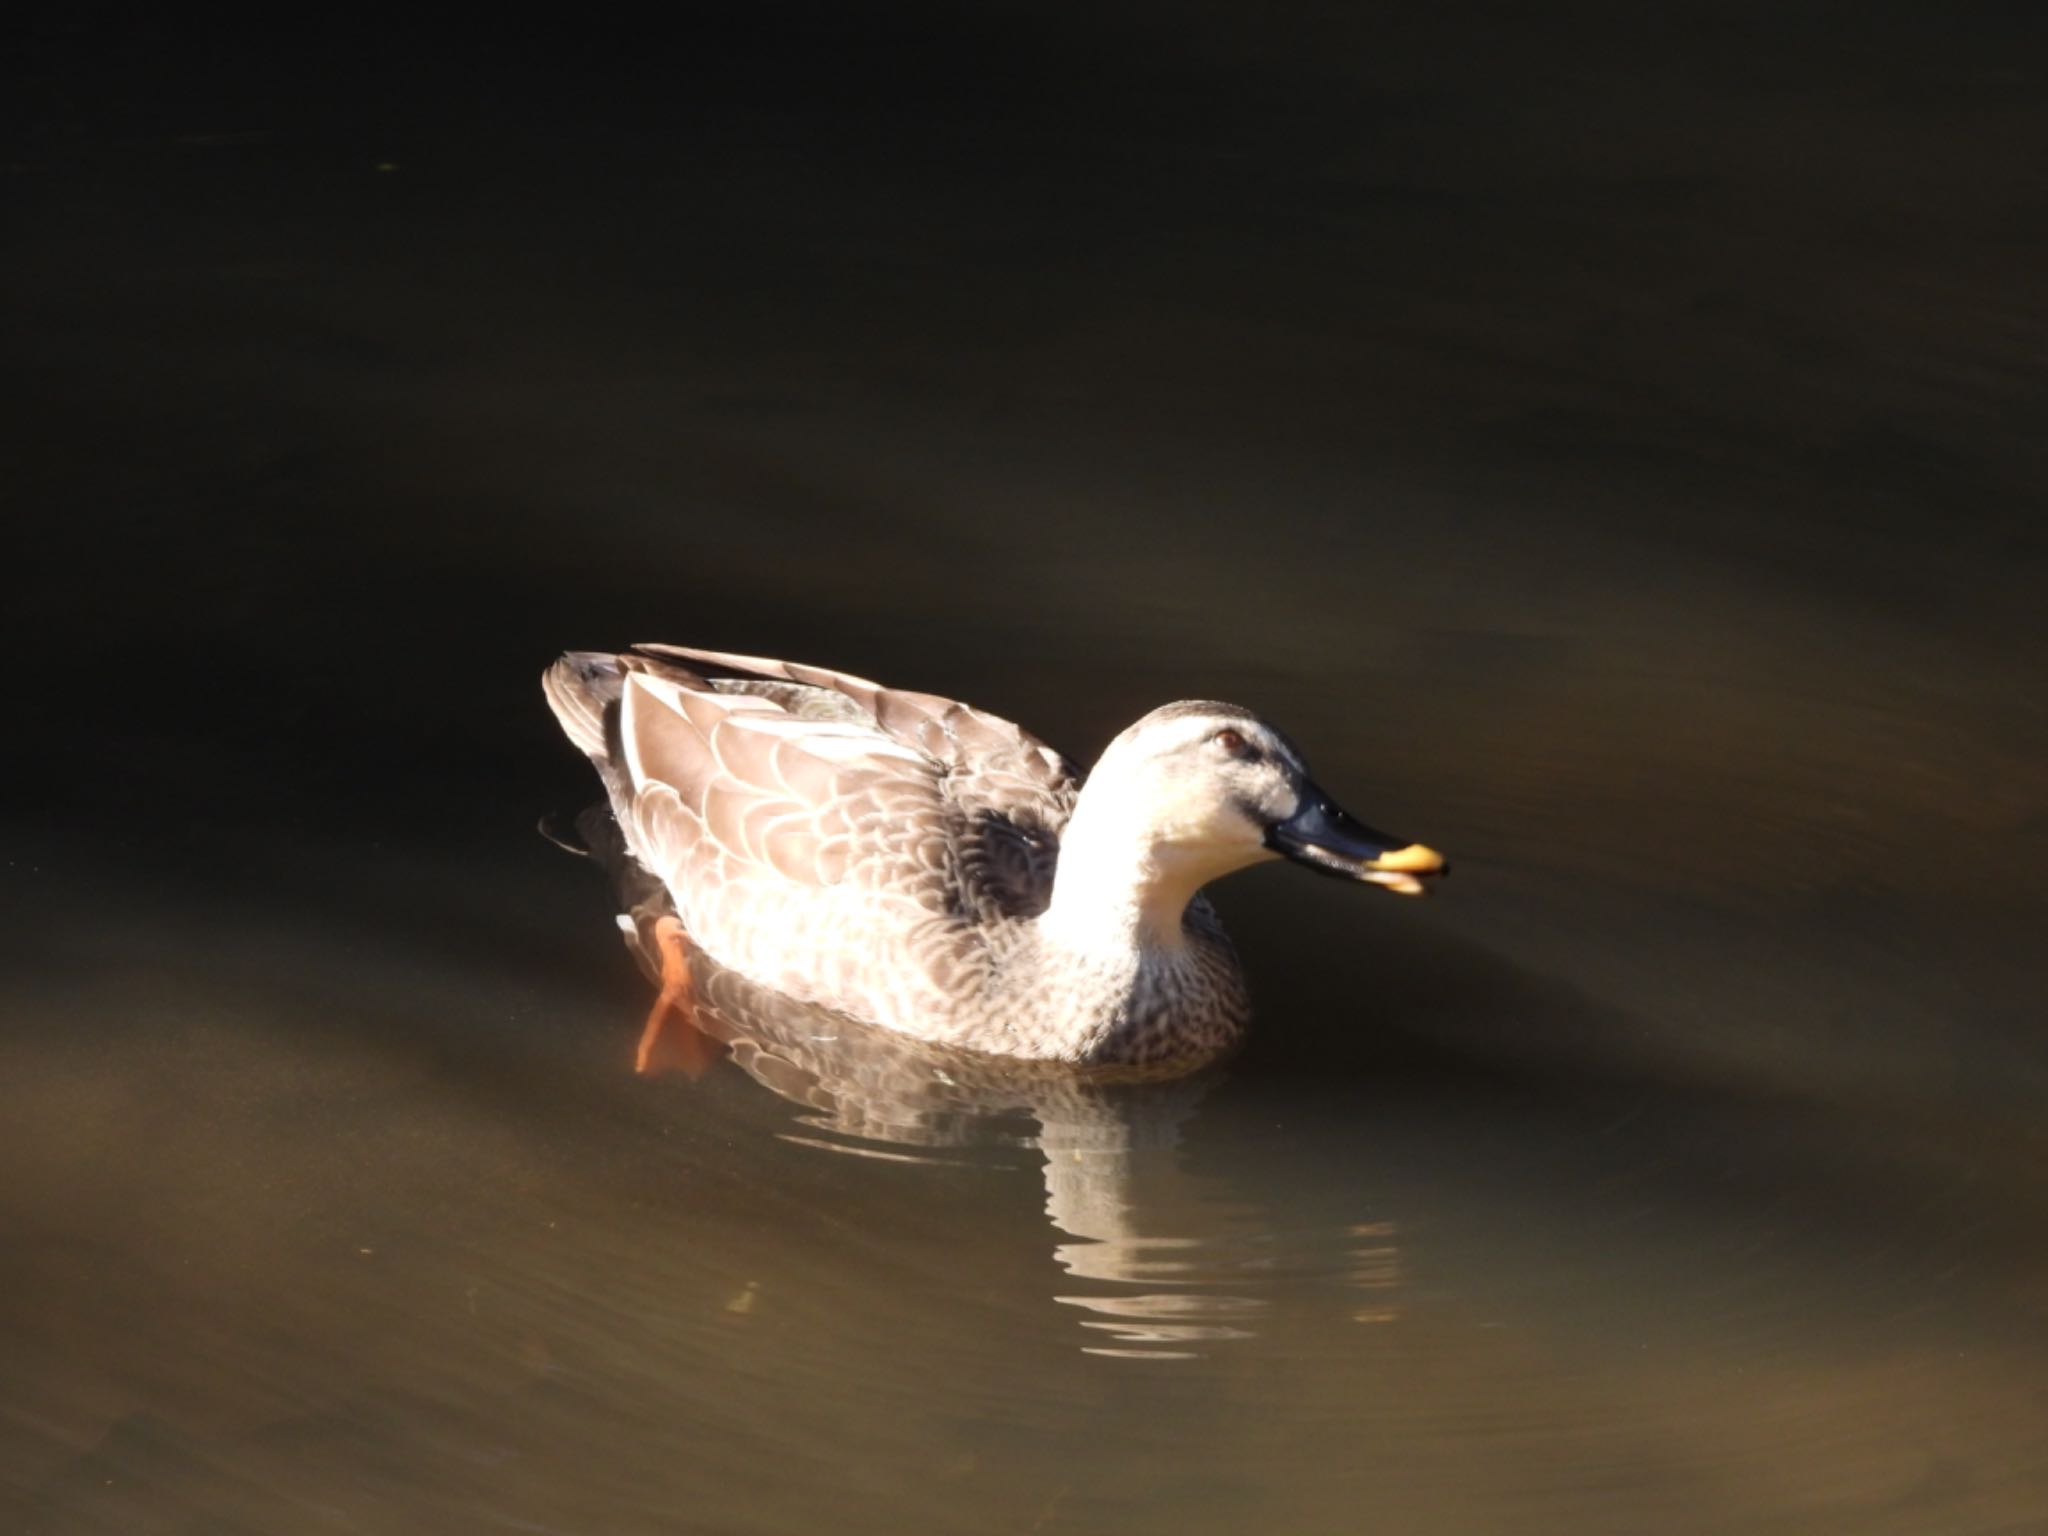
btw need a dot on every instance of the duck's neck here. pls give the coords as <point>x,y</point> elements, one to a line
<point>1118,891</point>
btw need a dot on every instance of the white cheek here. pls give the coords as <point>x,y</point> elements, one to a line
<point>1191,815</point>
<point>1239,828</point>
<point>1272,800</point>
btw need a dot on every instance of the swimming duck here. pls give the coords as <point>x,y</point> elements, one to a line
<point>927,867</point>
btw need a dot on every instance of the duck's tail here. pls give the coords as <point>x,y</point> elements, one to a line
<point>582,687</point>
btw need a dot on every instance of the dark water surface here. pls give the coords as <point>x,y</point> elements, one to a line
<point>1611,447</point>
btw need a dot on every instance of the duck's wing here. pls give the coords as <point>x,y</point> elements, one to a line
<point>962,738</point>
<point>767,793</point>
<point>1008,794</point>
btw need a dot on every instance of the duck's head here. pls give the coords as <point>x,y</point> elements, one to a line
<point>1210,788</point>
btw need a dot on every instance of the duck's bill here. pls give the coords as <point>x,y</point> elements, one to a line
<point>1331,841</point>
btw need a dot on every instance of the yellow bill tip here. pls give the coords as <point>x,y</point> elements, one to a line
<point>1412,860</point>
<point>1400,885</point>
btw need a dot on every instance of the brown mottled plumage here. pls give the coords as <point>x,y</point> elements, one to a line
<point>909,861</point>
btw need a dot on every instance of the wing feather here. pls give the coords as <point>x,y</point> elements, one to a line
<point>662,747</point>
<point>777,799</point>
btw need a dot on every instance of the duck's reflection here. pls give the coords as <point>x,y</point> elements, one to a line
<point>1108,1139</point>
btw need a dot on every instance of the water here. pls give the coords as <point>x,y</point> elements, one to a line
<point>312,1229</point>
<point>1611,452</point>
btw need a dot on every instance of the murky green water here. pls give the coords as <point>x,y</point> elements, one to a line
<point>1612,454</point>
<point>317,1225</point>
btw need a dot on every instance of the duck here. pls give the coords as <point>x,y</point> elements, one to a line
<point>918,865</point>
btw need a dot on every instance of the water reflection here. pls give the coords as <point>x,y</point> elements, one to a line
<point>1168,1269</point>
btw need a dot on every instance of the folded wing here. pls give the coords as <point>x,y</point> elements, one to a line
<point>789,808</point>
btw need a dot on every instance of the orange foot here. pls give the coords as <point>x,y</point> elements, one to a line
<point>671,1040</point>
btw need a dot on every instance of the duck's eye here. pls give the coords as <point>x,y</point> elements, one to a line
<point>1233,743</point>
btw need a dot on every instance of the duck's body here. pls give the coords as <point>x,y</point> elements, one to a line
<point>938,871</point>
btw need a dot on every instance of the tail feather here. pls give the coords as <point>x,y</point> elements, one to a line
<point>583,688</point>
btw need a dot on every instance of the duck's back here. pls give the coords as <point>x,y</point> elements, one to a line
<point>864,847</point>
